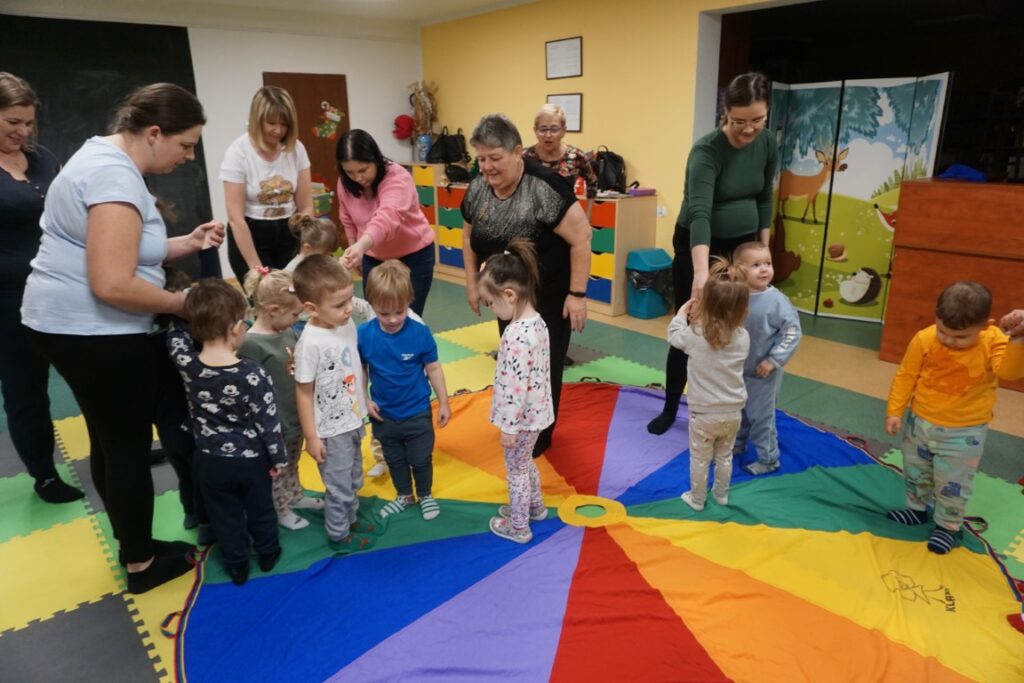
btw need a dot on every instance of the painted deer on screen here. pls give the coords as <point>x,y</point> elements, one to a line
<point>793,185</point>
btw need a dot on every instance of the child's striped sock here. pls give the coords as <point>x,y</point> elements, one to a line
<point>941,541</point>
<point>908,516</point>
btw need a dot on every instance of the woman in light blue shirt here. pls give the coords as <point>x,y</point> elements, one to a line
<point>89,303</point>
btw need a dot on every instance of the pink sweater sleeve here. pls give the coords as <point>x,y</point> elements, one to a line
<point>343,215</point>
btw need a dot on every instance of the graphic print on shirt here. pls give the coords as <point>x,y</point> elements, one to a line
<point>336,391</point>
<point>276,192</point>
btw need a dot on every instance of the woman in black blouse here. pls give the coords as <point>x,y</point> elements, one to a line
<point>517,197</point>
<point>26,170</point>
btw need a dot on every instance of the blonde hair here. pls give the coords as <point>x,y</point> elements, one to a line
<point>549,110</point>
<point>390,282</point>
<point>515,269</point>
<point>317,276</point>
<point>266,289</point>
<point>16,92</point>
<point>723,303</point>
<point>270,103</point>
<point>319,233</point>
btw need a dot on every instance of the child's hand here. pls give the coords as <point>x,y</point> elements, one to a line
<point>684,310</point>
<point>764,368</point>
<point>316,448</point>
<point>1013,324</point>
<point>373,409</point>
<point>444,413</point>
<point>892,425</point>
<point>276,471</point>
<point>508,440</point>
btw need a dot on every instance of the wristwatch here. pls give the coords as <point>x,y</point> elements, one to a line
<point>578,295</point>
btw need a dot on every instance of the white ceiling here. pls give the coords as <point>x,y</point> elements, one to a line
<point>415,11</point>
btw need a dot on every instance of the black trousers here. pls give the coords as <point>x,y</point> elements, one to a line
<point>559,334</point>
<point>114,380</point>
<point>274,242</point>
<point>24,383</point>
<point>682,283</point>
<point>237,494</point>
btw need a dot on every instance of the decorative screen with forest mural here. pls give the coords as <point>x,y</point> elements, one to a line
<point>844,149</point>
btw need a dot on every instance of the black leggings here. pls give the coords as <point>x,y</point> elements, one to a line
<point>275,244</point>
<point>682,283</point>
<point>114,380</point>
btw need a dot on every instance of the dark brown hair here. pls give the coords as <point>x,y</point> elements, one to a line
<point>723,303</point>
<point>746,89</point>
<point>165,105</point>
<point>515,269</point>
<point>212,307</point>
<point>964,304</point>
<point>389,283</point>
<point>318,275</point>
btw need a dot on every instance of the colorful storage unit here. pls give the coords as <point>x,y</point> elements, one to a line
<point>618,226</point>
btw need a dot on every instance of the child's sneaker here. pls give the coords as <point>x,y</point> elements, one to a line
<point>758,468</point>
<point>292,521</point>
<point>721,500</point>
<point>239,574</point>
<point>397,505</point>
<point>503,527</point>
<point>688,499</point>
<point>309,503</point>
<point>536,515</point>
<point>268,561</point>
<point>377,470</point>
<point>429,508</point>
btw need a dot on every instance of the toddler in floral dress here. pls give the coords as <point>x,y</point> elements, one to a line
<point>521,406</point>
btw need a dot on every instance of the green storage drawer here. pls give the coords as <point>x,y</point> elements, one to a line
<point>602,240</point>
<point>426,195</point>
<point>449,218</point>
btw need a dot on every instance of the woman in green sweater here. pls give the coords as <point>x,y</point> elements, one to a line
<point>727,201</point>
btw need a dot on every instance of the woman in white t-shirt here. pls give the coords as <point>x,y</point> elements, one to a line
<point>266,180</point>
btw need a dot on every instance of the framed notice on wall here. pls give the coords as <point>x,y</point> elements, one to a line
<point>564,58</point>
<point>572,105</point>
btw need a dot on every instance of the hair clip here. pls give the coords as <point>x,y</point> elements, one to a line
<point>508,253</point>
<point>291,289</point>
<point>262,270</point>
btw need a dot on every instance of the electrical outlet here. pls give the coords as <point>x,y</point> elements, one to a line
<point>662,211</point>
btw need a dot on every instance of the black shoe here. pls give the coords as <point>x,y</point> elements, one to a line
<point>205,535</point>
<point>267,562</point>
<point>660,424</point>
<point>191,520</point>
<point>55,490</point>
<point>239,574</point>
<point>165,549</point>
<point>157,456</point>
<point>159,572</point>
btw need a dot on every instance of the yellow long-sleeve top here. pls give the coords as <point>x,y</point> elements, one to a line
<point>954,387</point>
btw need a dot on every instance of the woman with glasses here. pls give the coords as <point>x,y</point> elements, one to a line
<point>565,160</point>
<point>727,201</point>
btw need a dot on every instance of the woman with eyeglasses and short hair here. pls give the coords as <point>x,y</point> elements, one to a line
<point>727,201</point>
<point>565,160</point>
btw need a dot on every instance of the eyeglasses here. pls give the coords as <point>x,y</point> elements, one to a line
<point>553,130</point>
<point>759,122</point>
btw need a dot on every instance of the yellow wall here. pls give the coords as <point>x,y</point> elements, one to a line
<point>639,64</point>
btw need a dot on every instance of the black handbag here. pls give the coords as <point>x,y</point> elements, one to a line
<point>611,170</point>
<point>448,148</point>
<point>456,173</point>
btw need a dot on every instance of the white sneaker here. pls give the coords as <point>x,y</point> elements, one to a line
<point>377,470</point>
<point>292,521</point>
<point>721,500</point>
<point>309,503</point>
<point>688,499</point>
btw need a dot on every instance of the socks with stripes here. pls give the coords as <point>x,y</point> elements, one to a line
<point>908,516</point>
<point>941,541</point>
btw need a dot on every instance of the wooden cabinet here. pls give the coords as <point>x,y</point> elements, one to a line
<point>618,226</point>
<point>948,231</point>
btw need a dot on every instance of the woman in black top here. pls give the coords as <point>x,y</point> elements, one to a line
<point>26,170</point>
<point>517,197</point>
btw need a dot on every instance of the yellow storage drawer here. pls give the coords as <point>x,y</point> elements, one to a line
<point>423,175</point>
<point>449,237</point>
<point>603,265</point>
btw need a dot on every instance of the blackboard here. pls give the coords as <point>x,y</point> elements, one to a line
<point>81,70</point>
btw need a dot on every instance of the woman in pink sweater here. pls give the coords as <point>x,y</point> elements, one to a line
<point>380,211</point>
